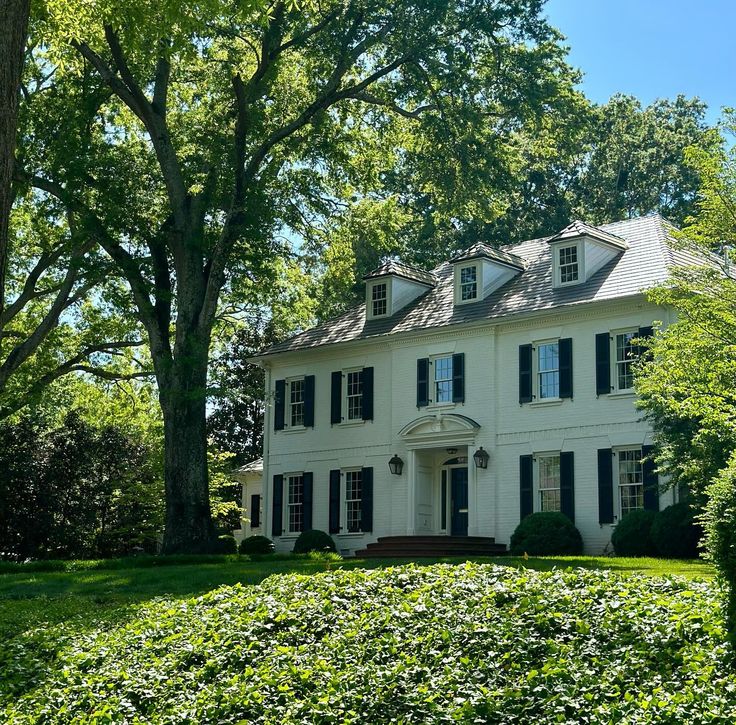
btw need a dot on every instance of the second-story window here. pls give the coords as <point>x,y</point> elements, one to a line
<point>296,403</point>
<point>568,264</point>
<point>354,395</point>
<point>443,379</point>
<point>468,283</point>
<point>379,299</point>
<point>548,370</point>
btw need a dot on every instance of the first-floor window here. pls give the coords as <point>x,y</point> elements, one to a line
<point>630,480</point>
<point>548,370</point>
<point>354,395</point>
<point>353,499</point>
<point>295,503</point>
<point>443,379</point>
<point>626,353</point>
<point>549,483</point>
<point>296,402</point>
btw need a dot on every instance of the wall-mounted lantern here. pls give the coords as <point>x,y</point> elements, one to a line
<point>396,465</point>
<point>481,458</point>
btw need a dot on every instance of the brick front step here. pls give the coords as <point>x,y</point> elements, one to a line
<point>431,546</point>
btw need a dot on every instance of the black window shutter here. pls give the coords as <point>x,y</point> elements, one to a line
<point>525,373</point>
<point>336,398</point>
<point>422,382</point>
<point>605,486</point>
<point>307,480</point>
<point>603,363</point>
<point>651,479</point>
<point>567,484</point>
<point>278,505</point>
<point>255,510</point>
<point>279,405</point>
<point>526,485</point>
<point>366,505</point>
<point>309,401</point>
<point>565,348</point>
<point>644,333</point>
<point>367,393</point>
<point>458,378</point>
<point>335,501</point>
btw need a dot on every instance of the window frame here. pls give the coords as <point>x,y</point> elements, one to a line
<point>288,425</point>
<point>286,524</point>
<point>617,503</point>
<point>459,269</point>
<point>634,332</point>
<point>536,372</point>
<point>580,261</point>
<point>433,380</point>
<point>370,301</point>
<point>345,403</point>
<point>537,481</point>
<point>344,501</point>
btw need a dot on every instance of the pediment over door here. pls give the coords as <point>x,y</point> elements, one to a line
<point>440,429</point>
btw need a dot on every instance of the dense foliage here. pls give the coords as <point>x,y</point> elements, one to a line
<point>436,644</point>
<point>313,540</point>
<point>632,535</point>
<point>675,532</point>
<point>546,534</point>
<point>256,545</point>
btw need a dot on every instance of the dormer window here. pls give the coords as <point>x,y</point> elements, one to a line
<point>468,283</point>
<point>379,299</point>
<point>568,267</point>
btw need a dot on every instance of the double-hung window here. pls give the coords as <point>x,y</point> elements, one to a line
<point>296,403</point>
<point>548,483</point>
<point>548,370</point>
<point>630,480</point>
<point>443,379</point>
<point>354,395</point>
<point>626,353</point>
<point>353,500</point>
<point>568,264</point>
<point>379,299</point>
<point>295,503</point>
<point>468,283</point>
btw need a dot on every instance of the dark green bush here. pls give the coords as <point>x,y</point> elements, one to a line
<point>224,544</point>
<point>675,533</point>
<point>546,534</point>
<point>256,545</point>
<point>632,535</point>
<point>313,540</point>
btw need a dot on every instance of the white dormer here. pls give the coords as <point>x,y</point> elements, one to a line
<point>580,250</point>
<point>393,286</point>
<point>481,269</point>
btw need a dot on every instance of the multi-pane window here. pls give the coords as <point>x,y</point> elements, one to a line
<point>568,264</point>
<point>353,499</point>
<point>626,353</point>
<point>295,503</point>
<point>379,299</point>
<point>468,283</point>
<point>548,370</point>
<point>296,402</point>
<point>549,483</point>
<point>443,379</point>
<point>630,480</point>
<point>354,395</point>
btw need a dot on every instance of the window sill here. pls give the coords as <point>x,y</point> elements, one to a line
<point>546,401</point>
<point>350,535</point>
<point>296,429</point>
<point>351,423</point>
<point>621,394</point>
<point>441,406</point>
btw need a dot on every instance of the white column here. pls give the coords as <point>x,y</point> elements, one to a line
<point>473,474</point>
<point>411,493</point>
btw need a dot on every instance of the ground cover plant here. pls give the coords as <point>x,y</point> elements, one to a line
<point>440,643</point>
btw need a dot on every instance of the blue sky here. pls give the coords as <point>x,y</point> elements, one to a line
<point>652,48</point>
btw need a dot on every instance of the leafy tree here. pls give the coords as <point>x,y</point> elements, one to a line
<point>197,138</point>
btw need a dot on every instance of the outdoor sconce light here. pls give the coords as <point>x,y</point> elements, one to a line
<point>396,465</point>
<point>481,458</point>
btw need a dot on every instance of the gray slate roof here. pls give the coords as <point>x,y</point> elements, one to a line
<point>644,264</point>
<point>394,267</point>
<point>481,249</point>
<point>580,229</point>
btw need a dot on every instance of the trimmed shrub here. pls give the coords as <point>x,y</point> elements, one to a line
<point>314,540</point>
<point>546,534</point>
<point>224,544</point>
<point>256,545</point>
<point>675,532</point>
<point>632,535</point>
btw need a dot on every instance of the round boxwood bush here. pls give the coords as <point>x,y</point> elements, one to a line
<point>546,534</point>
<point>632,535</point>
<point>256,545</point>
<point>224,544</point>
<point>313,540</point>
<point>675,532</point>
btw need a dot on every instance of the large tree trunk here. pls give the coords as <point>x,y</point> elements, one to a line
<point>183,402</point>
<point>13,31</point>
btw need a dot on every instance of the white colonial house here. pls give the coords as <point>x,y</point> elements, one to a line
<point>453,403</point>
